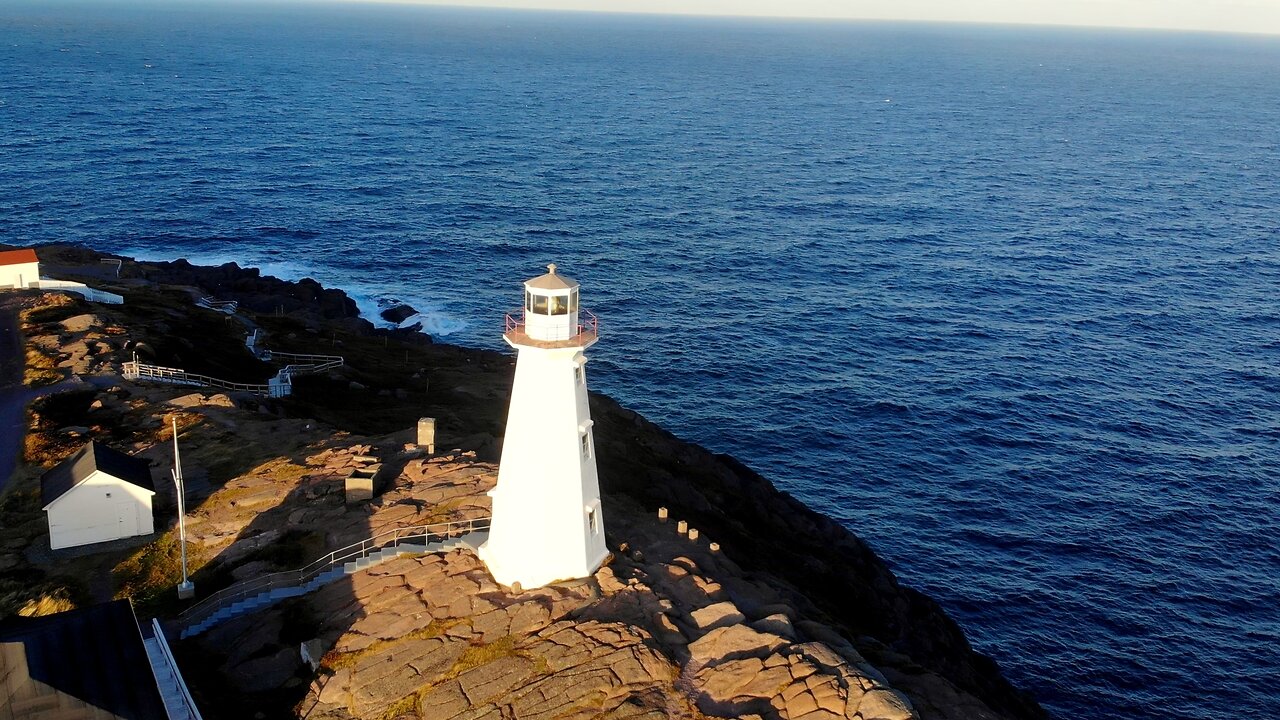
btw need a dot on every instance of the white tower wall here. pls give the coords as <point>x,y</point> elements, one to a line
<point>547,523</point>
<point>547,490</point>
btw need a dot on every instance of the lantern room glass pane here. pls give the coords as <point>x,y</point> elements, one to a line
<point>573,301</point>
<point>540,304</point>
<point>559,305</point>
<point>528,301</point>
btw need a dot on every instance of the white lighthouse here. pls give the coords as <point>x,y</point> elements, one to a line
<point>547,524</point>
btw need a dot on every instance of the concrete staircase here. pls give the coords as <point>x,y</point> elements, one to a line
<point>253,603</point>
<point>178,704</point>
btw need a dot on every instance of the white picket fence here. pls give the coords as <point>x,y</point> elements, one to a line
<point>78,288</point>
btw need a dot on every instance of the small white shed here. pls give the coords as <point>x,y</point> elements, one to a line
<point>96,495</point>
<point>19,268</point>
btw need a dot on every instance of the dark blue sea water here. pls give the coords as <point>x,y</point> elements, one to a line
<point>1001,300</point>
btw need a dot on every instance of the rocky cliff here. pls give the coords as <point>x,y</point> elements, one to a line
<point>789,615</point>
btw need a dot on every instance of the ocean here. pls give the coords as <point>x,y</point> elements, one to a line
<point>1001,300</point>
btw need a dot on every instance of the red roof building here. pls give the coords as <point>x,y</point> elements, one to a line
<point>19,268</point>
<point>17,257</point>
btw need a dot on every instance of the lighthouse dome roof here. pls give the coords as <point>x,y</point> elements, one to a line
<point>552,281</point>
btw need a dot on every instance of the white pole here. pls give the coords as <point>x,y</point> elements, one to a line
<point>186,589</point>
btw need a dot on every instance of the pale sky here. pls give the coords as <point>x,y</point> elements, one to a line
<point>1252,16</point>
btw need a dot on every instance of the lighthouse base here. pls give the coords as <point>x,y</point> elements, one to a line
<point>532,571</point>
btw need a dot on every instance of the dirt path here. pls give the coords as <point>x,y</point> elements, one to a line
<point>13,395</point>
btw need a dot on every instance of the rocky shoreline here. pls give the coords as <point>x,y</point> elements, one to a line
<point>791,616</point>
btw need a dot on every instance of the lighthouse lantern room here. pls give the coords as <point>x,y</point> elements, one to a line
<point>547,523</point>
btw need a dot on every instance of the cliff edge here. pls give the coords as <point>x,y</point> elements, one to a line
<point>787,615</point>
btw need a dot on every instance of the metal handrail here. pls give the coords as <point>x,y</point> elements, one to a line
<point>588,324</point>
<point>293,578</point>
<point>304,357</point>
<point>223,306</point>
<point>134,370</point>
<point>163,642</point>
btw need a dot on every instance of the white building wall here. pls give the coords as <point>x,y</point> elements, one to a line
<point>547,491</point>
<point>19,275</point>
<point>100,509</point>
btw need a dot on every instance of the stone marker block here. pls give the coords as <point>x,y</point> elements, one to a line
<point>682,527</point>
<point>662,514</point>
<point>693,533</point>
<point>359,484</point>
<point>427,434</point>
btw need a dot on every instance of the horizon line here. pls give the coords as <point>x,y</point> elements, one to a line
<point>569,7</point>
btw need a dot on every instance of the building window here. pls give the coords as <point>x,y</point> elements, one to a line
<point>586,445</point>
<point>591,521</point>
<point>579,376</point>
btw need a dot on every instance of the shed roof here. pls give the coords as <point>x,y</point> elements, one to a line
<point>552,281</point>
<point>18,257</point>
<point>93,655</point>
<point>93,456</point>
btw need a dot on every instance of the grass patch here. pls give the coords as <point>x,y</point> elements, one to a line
<point>40,370</point>
<point>42,444</point>
<point>29,593</point>
<point>282,469</point>
<point>20,502</point>
<point>293,550</point>
<point>52,308</point>
<point>472,657</point>
<point>334,660</point>
<point>150,574</point>
<point>410,703</point>
<point>478,655</point>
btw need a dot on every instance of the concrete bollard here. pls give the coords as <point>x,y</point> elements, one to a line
<point>427,434</point>
<point>662,514</point>
<point>693,534</point>
<point>682,527</point>
<point>714,547</point>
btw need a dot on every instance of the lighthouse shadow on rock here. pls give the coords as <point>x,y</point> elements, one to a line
<point>547,524</point>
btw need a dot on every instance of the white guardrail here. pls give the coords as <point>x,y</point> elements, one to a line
<point>417,534</point>
<point>163,643</point>
<point>280,386</point>
<point>78,288</point>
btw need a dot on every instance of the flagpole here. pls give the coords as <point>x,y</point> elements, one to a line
<point>186,589</point>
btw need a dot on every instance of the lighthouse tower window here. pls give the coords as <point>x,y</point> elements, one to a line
<point>591,521</point>
<point>586,445</point>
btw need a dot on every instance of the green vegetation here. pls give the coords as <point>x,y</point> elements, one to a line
<point>473,657</point>
<point>43,445</point>
<point>293,550</point>
<point>151,573</point>
<point>334,660</point>
<point>40,370</point>
<point>30,593</point>
<point>478,655</point>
